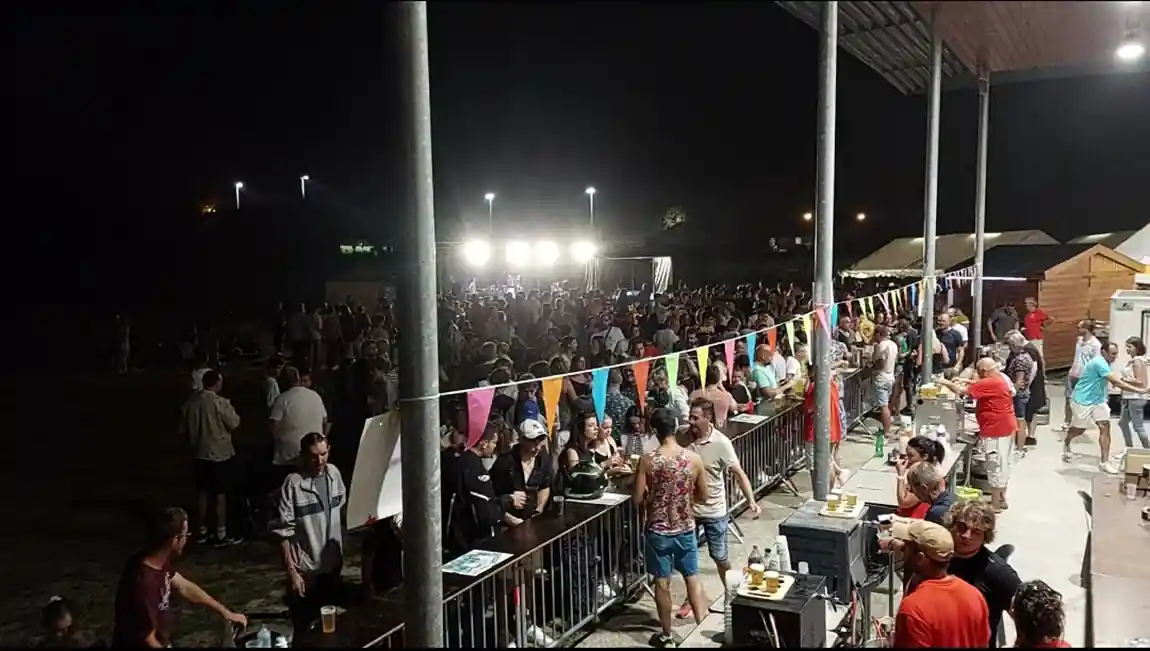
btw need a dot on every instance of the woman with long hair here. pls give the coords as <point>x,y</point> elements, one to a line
<point>1134,404</point>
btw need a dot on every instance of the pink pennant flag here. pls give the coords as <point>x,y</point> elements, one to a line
<point>850,312</point>
<point>478,408</point>
<point>825,320</point>
<point>729,354</point>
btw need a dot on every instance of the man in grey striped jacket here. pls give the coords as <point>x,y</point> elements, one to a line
<point>309,525</point>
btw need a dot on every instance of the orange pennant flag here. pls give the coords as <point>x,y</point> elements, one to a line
<point>641,368</point>
<point>552,389</point>
<point>772,338</point>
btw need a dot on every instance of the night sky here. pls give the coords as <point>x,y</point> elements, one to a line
<point>125,123</point>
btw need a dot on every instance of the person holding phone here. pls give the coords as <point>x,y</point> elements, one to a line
<point>524,474</point>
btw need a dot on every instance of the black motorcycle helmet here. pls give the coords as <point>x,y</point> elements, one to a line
<point>586,480</point>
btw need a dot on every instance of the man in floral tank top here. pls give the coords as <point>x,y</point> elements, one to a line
<point>670,480</point>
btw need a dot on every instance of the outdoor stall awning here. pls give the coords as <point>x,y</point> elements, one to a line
<point>1015,41</point>
<point>903,257</point>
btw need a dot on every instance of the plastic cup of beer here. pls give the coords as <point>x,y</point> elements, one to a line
<point>851,499</point>
<point>757,571</point>
<point>772,580</point>
<point>832,501</point>
<point>327,616</point>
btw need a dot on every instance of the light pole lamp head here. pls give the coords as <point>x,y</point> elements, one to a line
<point>305,177</point>
<point>590,191</point>
<point>490,196</point>
<point>239,185</point>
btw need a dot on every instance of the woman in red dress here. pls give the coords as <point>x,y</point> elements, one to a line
<point>837,474</point>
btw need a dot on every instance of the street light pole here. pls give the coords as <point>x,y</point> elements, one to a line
<point>490,198</point>
<point>303,185</point>
<point>590,192</point>
<point>930,211</point>
<point>824,294</point>
<point>239,186</point>
<point>419,354</point>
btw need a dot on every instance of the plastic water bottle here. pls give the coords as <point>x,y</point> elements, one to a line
<point>265,637</point>
<point>755,556</point>
<point>784,553</point>
<point>880,445</point>
<point>734,580</point>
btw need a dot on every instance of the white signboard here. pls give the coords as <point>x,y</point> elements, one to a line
<point>376,486</point>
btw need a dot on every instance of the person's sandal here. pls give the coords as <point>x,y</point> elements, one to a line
<point>684,611</point>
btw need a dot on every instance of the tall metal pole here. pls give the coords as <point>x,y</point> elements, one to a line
<point>490,218</point>
<point>980,206</point>
<point>592,198</point>
<point>419,355</point>
<point>931,208</point>
<point>824,243</point>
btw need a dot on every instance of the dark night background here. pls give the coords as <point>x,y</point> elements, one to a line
<point>125,122</point>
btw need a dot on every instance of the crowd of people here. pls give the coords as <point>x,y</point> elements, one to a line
<point>329,368</point>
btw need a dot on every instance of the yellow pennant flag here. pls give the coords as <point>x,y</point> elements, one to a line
<point>870,306</point>
<point>703,353</point>
<point>807,328</point>
<point>790,326</point>
<point>552,389</point>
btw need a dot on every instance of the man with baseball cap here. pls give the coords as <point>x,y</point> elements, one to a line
<point>940,610</point>
<point>525,473</point>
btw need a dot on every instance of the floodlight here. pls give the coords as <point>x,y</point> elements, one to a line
<point>546,252</point>
<point>1130,50</point>
<point>518,254</point>
<point>582,252</point>
<point>477,252</point>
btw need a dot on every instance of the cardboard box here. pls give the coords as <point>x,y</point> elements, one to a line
<point>1135,460</point>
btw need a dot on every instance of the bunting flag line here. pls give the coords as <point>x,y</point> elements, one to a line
<point>552,389</point>
<point>912,295</point>
<point>850,312</point>
<point>599,391</point>
<point>641,369</point>
<point>729,353</point>
<point>478,409</point>
<point>703,352</point>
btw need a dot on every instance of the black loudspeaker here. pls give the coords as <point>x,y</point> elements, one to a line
<point>800,617</point>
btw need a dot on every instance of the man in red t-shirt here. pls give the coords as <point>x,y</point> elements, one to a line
<point>996,423</point>
<point>941,611</point>
<point>1034,323</point>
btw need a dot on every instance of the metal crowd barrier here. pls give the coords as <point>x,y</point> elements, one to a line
<point>548,595</point>
<point>768,453</point>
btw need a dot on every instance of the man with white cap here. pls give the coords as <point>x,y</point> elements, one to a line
<point>525,473</point>
<point>940,610</point>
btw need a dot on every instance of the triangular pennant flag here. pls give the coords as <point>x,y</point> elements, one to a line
<point>834,314</point>
<point>729,353</point>
<point>552,389</point>
<point>870,306</point>
<point>641,368</point>
<point>752,340</point>
<point>790,326</point>
<point>914,294</point>
<point>672,370</point>
<point>478,408</point>
<point>823,318</point>
<point>702,354</point>
<point>885,305</point>
<point>850,312</point>
<point>773,339</point>
<point>807,329</point>
<point>599,391</point>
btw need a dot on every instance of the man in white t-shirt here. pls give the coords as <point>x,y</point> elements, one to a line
<point>885,359</point>
<point>297,412</point>
<point>713,515</point>
<point>1086,348</point>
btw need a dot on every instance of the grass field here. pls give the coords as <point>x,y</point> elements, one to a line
<point>90,453</point>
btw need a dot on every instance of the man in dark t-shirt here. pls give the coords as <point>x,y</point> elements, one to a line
<point>972,525</point>
<point>144,595</point>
